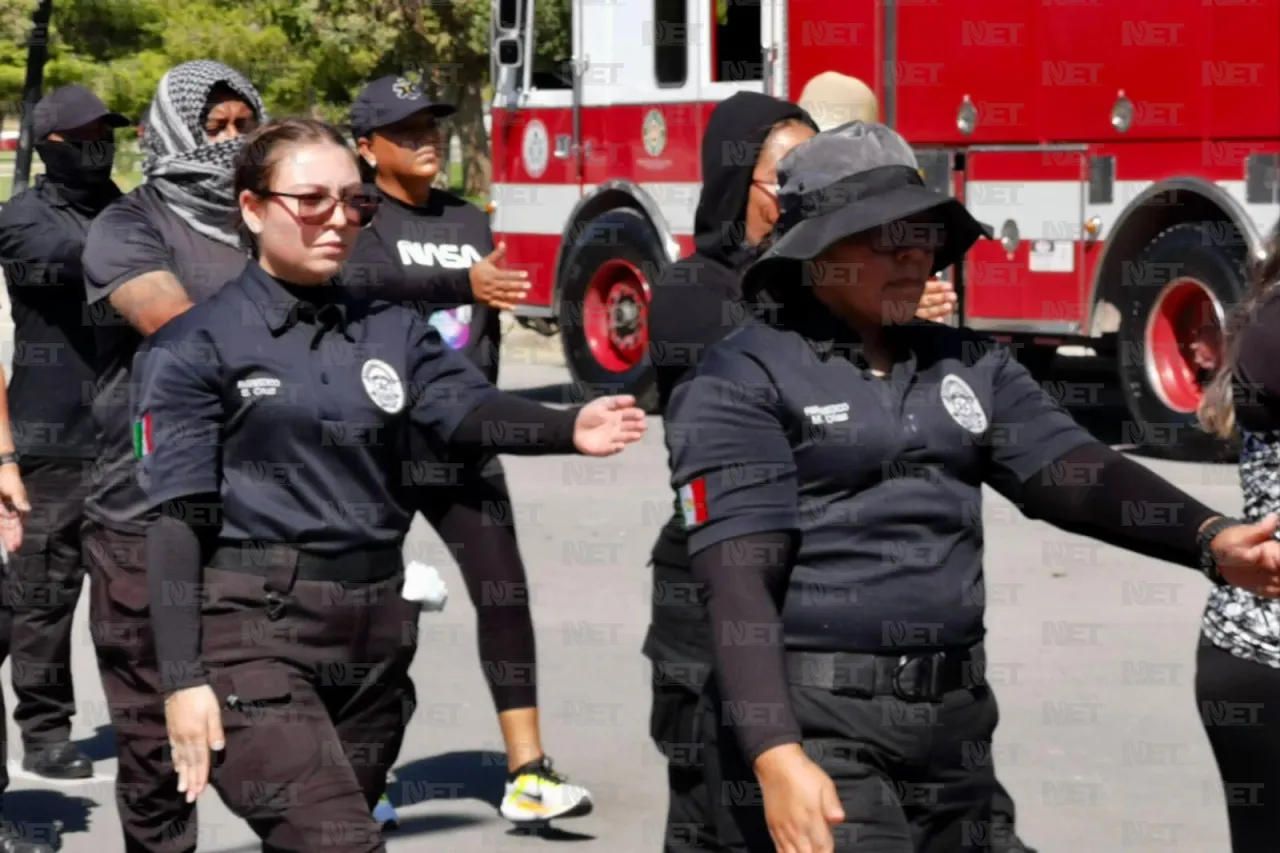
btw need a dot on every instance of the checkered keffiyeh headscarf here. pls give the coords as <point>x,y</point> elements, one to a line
<point>193,176</point>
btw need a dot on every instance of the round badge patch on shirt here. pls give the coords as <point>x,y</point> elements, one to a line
<point>454,326</point>
<point>962,404</point>
<point>382,384</point>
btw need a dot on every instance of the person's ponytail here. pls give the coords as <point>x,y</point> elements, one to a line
<point>1216,413</point>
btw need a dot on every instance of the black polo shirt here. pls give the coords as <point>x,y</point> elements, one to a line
<point>422,257</point>
<point>41,237</point>
<point>298,415</point>
<point>786,428</point>
<point>136,235</point>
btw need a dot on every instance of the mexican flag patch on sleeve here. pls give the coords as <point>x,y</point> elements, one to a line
<point>693,502</point>
<point>143,437</point>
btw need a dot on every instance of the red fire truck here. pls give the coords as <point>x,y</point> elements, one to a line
<point>1126,152</point>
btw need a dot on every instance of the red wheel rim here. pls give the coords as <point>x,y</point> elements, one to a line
<point>615,315</point>
<point>1184,333</point>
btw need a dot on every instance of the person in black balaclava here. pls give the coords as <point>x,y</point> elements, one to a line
<point>695,303</point>
<point>42,234</point>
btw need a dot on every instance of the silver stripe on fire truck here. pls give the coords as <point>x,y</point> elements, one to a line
<point>545,208</point>
<point>1042,209</point>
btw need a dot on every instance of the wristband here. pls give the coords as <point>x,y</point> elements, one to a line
<point>1209,560</point>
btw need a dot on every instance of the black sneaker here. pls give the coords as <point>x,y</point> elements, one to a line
<point>57,761</point>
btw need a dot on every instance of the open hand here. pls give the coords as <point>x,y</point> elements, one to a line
<point>14,507</point>
<point>194,721</point>
<point>495,286</point>
<point>800,801</point>
<point>606,425</point>
<point>939,300</point>
<point>1249,556</point>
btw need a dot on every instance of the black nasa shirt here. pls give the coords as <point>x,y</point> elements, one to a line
<point>784,428</point>
<point>422,257</point>
<point>42,234</point>
<point>136,235</point>
<point>296,413</point>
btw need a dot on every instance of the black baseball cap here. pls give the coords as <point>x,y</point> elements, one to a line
<point>391,99</point>
<point>69,107</point>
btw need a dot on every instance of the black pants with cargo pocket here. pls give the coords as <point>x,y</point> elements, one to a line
<point>46,576</point>
<point>154,817</point>
<point>309,657</point>
<point>913,770</point>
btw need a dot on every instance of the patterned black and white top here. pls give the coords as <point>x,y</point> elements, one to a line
<point>1235,620</point>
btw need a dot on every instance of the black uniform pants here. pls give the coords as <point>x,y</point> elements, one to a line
<point>313,680</point>
<point>6,626</point>
<point>913,777</point>
<point>1240,709</point>
<point>676,724</point>
<point>154,816</point>
<point>43,590</point>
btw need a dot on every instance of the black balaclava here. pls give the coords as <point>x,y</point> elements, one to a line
<point>731,144</point>
<point>81,171</point>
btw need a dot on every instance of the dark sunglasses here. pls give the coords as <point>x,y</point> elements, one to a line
<point>316,208</point>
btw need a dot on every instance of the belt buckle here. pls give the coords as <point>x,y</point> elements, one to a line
<point>926,692</point>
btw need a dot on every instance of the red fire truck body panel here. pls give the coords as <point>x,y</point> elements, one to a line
<point>1080,130</point>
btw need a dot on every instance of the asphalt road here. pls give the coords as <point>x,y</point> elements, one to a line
<point>1092,650</point>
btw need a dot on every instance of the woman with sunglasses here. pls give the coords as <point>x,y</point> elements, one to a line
<point>148,257</point>
<point>432,250</point>
<point>273,422</point>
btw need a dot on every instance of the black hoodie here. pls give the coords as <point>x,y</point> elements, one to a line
<point>695,303</point>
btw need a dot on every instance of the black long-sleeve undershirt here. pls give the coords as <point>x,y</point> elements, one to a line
<point>179,545</point>
<point>751,588</point>
<point>516,426</point>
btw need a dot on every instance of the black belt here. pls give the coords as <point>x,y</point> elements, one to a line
<point>368,565</point>
<point>913,677</point>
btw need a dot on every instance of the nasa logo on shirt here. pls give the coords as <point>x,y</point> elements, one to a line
<point>449,256</point>
<point>535,149</point>
<point>962,404</point>
<point>382,384</point>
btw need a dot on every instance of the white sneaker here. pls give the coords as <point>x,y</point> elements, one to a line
<point>536,794</point>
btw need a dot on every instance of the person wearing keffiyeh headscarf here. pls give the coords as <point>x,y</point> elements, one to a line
<point>189,150</point>
<point>149,256</point>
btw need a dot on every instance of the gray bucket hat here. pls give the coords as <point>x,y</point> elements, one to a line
<point>850,180</point>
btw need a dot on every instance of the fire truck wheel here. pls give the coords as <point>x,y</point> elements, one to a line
<point>604,305</point>
<point>1170,335</point>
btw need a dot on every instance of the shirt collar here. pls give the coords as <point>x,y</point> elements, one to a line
<point>329,311</point>
<point>830,336</point>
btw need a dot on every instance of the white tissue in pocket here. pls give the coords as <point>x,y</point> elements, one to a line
<point>422,583</point>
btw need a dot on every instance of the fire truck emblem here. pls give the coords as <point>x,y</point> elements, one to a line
<point>405,90</point>
<point>535,148</point>
<point>655,133</point>
<point>962,404</point>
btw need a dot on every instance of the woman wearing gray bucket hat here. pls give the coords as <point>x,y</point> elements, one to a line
<point>830,461</point>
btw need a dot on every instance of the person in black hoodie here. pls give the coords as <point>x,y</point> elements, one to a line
<point>695,303</point>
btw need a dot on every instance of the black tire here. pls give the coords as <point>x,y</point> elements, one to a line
<point>1195,250</point>
<point>620,234</point>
